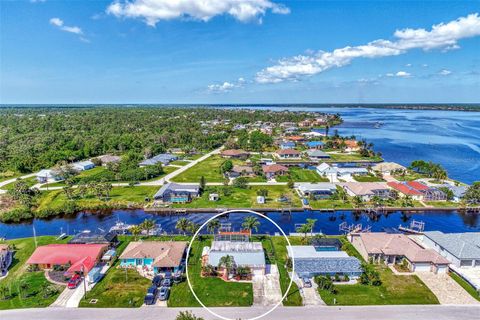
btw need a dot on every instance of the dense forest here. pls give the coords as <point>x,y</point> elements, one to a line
<point>36,138</point>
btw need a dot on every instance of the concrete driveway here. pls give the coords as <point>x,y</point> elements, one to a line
<point>310,296</point>
<point>266,288</point>
<point>446,289</point>
<point>472,274</point>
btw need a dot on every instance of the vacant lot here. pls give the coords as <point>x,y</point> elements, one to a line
<point>301,175</point>
<point>208,168</point>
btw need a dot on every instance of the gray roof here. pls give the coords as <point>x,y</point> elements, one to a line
<point>191,188</point>
<point>458,191</point>
<point>244,253</point>
<point>163,158</point>
<point>317,154</point>
<point>327,265</point>
<point>321,186</point>
<point>461,245</point>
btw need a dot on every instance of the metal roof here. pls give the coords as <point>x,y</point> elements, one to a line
<point>327,265</point>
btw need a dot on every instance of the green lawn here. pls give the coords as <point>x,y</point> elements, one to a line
<point>394,290</point>
<point>443,204</point>
<point>329,204</point>
<point>34,297</point>
<point>244,198</point>
<point>213,292</point>
<point>118,196</point>
<point>465,285</point>
<point>7,175</point>
<point>346,157</point>
<point>30,182</point>
<point>180,162</point>
<point>367,178</point>
<point>293,297</point>
<point>301,175</point>
<point>209,168</point>
<point>409,176</point>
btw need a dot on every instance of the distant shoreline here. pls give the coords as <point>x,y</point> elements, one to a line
<point>472,107</point>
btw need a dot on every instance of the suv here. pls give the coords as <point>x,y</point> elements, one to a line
<point>307,283</point>
<point>157,280</point>
<point>74,281</point>
<point>167,282</point>
<point>151,296</point>
<point>164,293</point>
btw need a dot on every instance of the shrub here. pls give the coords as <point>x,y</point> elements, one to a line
<point>17,214</point>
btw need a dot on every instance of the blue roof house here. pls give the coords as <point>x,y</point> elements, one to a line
<point>177,193</point>
<point>164,158</point>
<point>287,145</point>
<point>314,144</point>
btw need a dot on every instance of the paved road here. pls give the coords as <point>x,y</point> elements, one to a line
<point>282,313</point>
<point>4,183</point>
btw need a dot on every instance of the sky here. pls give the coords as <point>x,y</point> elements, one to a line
<point>239,51</point>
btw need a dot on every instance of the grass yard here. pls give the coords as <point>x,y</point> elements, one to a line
<point>180,162</point>
<point>465,285</point>
<point>301,175</point>
<point>443,204</point>
<point>7,175</point>
<point>209,168</point>
<point>244,198</point>
<point>35,295</point>
<point>329,204</point>
<point>394,290</point>
<point>118,196</point>
<point>213,292</point>
<point>409,176</point>
<point>367,178</point>
<point>280,247</point>
<point>348,157</point>
<point>30,182</point>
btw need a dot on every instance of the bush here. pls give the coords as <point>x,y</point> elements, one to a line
<point>17,214</point>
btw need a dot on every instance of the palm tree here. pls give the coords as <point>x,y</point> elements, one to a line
<point>305,229</point>
<point>357,202</point>
<point>227,262</point>
<point>182,225</point>
<point>147,225</point>
<point>193,227</point>
<point>250,223</point>
<point>136,230</point>
<point>213,225</point>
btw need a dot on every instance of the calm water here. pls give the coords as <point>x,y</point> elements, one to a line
<point>327,223</point>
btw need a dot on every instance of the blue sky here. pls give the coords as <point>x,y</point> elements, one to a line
<point>239,51</point>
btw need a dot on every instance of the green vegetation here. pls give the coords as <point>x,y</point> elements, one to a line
<point>38,291</point>
<point>348,157</point>
<point>465,285</point>
<point>231,197</point>
<point>367,178</point>
<point>179,162</point>
<point>210,168</point>
<point>330,204</point>
<point>211,291</point>
<point>298,174</point>
<point>430,169</point>
<point>472,196</point>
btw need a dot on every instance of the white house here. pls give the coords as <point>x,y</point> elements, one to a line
<point>47,175</point>
<point>367,190</point>
<point>83,165</point>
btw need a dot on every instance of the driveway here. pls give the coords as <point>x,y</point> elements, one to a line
<point>310,296</point>
<point>472,274</point>
<point>446,289</point>
<point>266,288</point>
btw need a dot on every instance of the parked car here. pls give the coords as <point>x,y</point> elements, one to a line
<point>178,278</point>
<point>151,296</point>
<point>164,293</point>
<point>157,280</point>
<point>167,282</point>
<point>307,283</point>
<point>74,281</point>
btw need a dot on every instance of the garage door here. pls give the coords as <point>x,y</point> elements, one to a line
<point>422,267</point>
<point>466,263</point>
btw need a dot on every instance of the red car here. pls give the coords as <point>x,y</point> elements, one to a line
<point>74,281</point>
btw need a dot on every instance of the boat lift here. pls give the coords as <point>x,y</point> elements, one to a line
<point>416,227</point>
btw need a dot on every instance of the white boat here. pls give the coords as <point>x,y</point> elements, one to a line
<point>120,227</point>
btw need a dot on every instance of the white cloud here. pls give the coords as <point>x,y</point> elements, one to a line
<point>37,1</point>
<point>226,86</point>
<point>408,65</point>
<point>441,36</point>
<point>60,24</point>
<point>399,74</point>
<point>445,72</point>
<point>152,11</point>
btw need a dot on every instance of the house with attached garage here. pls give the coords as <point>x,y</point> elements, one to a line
<point>273,170</point>
<point>395,248</point>
<point>177,193</point>
<point>321,190</point>
<point>315,154</point>
<point>288,154</point>
<point>163,158</point>
<point>47,175</point>
<point>405,191</point>
<point>154,256</point>
<point>367,190</point>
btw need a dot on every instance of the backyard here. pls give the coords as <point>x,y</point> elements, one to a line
<point>35,294</point>
<point>298,174</point>
<point>208,168</point>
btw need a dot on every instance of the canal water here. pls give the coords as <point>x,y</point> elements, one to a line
<point>328,223</point>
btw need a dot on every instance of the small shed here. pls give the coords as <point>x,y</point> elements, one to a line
<point>213,197</point>
<point>260,199</point>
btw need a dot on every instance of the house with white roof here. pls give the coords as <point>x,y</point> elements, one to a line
<point>321,190</point>
<point>47,175</point>
<point>83,165</point>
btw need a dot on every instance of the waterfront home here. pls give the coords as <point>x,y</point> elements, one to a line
<point>395,248</point>
<point>367,190</point>
<point>313,134</point>
<point>177,193</point>
<point>290,130</point>
<point>458,191</point>
<point>429,193</point>
<point>315,154</point>
<point>234,154</point>
<point>163,158</point>
<point>335,172</point>
<point>47,176</point>
<point>156,256</point>
<point>295,138</point>
<point>273,170</point>
<point>83,165</point>
<point>404,190</point>
<point>286,154</point>
<point>95,237</point>
<point>305,123</point>
<point>314,144</point>
<point>388,167</point>
<point>461,249</point>
<point>321,190</point>
<point>244,253</point>
<point>352,146</point>
<point>319,260</point>
<point>241,171</point>
<point>108,158</point>
<point>287,145</point>
<point>6,258</point>
<point>73,258</point>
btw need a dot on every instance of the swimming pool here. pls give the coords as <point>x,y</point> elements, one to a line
<point>326,248</point>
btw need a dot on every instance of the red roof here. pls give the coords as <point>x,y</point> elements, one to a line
<point>233,152</point>
<point>78,255</point>
<point>296,138</point>
<point>273,168</point>
<point>417,185</point>
<point>288,151</point>
<point>403,188</point>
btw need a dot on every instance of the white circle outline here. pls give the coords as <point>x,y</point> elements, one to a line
<point>188,255</point>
